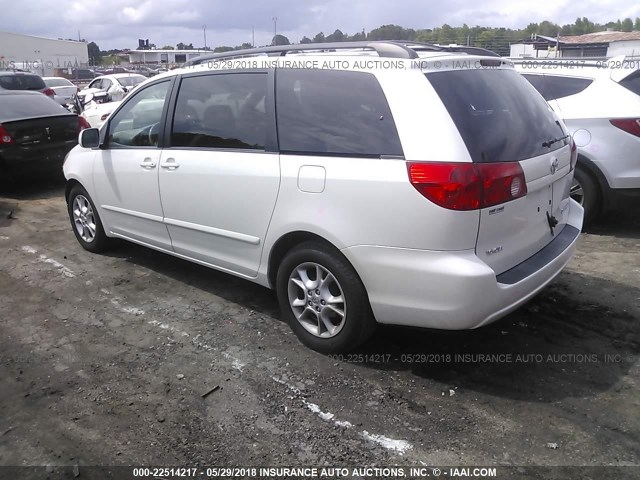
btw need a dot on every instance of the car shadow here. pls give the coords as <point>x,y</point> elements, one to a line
<point>42,185</point>
<point>556,346</point>
<point>622,223</point>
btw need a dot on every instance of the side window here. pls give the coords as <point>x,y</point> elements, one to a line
<point>334,112</point>
<point>137,123</point>
<point>106,84</point>
<point>95,84</point>
<point>221,111</point>
<point>537,81</point>
<point>558,87</point>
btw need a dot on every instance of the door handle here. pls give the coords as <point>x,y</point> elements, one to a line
<point>148,163</point>
<point>170,164</point>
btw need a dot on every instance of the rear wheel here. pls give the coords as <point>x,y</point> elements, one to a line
<point>585,191</point>
<point>85,221</point>
<point>323,299</point>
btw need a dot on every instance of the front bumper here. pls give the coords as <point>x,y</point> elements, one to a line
<point>455,290</point>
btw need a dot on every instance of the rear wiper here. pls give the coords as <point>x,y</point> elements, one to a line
<point>555,140</point>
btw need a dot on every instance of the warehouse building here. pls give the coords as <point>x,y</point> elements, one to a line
<point>40,55</point>
<point>157,57</point>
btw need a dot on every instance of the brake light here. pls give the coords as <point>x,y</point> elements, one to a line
<point>82,123</point>
<point>468,186</point>
<point>49,92</point>
<point>5,138</point>
<point>629,125</point>
<point>574,155</point>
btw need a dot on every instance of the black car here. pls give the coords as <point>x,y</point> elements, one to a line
<point>36,133</point>
<point>83,74</point>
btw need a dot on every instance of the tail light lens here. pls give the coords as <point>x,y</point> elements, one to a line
<point>49,92</point>
<point>629,125</point>
<point>468,186</point>
<point>574,155</point>
<point>5,138</point>
<point>82,123</point>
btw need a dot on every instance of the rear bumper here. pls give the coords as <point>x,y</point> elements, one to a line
<point>456,290</point>
<point>16,160</point>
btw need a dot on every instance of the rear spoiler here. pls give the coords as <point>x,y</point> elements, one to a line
<point>622,66</point>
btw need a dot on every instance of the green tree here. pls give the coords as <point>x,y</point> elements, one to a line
<point>627,25</point>
<point>280,40</point>
<point>305,40</point>
<point>167,47</point>
<point>319,38</point>
<point>336,36</point>
<point>94,53</point>
<point>636,25</point>
<point>184,46</point>
<point>391,32</point>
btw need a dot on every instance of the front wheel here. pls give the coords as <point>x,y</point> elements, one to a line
<point>85,221</point>
<point>323,299</point>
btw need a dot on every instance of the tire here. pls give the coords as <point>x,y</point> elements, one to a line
<point>333,333</point>
<point>586,192</point>
<point>85,221</point>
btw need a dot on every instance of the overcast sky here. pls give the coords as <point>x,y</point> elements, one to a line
<point>119,23</point>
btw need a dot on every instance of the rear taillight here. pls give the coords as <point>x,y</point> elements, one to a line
<point>574,155</point>
<point>82,123</point>
<point>629,125</point>
<point>5,138</point>
<point>49,92</point>
<point>468,186</point>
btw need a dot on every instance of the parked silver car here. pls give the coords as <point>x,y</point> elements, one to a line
<point>63,89</point>
<point>375,182</point>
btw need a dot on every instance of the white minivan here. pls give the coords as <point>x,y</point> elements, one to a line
<point>365,182</point>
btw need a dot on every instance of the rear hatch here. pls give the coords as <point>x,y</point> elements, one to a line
<point>503,119</point>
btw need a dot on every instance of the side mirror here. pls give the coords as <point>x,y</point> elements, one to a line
<point>89,138</point>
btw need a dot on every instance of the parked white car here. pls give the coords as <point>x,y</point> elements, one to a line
<point>600,104</point>
<point>63,89</point>
<point>117,85</point>
<point>97,113</point>
<point>432,193</point>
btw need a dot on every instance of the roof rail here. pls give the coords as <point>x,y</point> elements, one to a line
<point>418,46</point>
<point>389,49</point>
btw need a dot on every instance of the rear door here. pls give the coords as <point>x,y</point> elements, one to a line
<point>219,177</point>
<point>502,118</point>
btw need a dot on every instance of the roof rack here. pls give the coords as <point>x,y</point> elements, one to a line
<point>386,48</point>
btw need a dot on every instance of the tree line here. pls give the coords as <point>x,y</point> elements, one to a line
<point>496,39</point>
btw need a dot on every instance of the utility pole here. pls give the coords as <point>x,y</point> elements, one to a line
<point>275,29</point>
<point>204,29</point>
<point>253,37</point>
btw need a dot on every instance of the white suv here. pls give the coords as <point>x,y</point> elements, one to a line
<point>389,182</point>
<point>599,102</point>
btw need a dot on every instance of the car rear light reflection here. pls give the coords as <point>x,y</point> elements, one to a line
<point>82,124</point>
<point>574,155</point>
<point>5,138</point>
<point>629,125</point>
<point>468,186</point>
<point>49,92</point>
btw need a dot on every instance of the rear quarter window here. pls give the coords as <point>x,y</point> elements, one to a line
<point>498,114</point>
<point>334,113</point>
<point>559,87</point>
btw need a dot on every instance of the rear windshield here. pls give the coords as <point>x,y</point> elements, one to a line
<point>632,82</point>
<point>131,81</point>
<point>21,82</point>
<point>500,116</point>
<point>16,107</point>
<point>58,82</point>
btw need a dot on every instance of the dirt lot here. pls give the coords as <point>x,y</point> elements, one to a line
<point>104,360</point>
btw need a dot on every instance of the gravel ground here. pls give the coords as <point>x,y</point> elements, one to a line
<point>104,360</point>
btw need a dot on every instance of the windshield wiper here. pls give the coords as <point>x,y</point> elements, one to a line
<point>555,140</point>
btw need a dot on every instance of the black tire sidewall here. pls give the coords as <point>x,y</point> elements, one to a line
<point>359,322</point>
<point>100,242</point>
<point>592,198</point>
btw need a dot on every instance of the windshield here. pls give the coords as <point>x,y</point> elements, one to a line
<point>131,81</point>
<point>20,81</point>
<point>500,116</point>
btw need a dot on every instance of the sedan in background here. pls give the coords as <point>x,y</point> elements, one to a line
<point>36,133</point>
<point>63,89</point>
